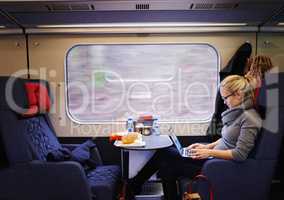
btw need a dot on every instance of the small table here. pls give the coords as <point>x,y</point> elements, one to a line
<point>153,142</point>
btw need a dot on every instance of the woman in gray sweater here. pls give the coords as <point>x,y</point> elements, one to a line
<point>241,124</point>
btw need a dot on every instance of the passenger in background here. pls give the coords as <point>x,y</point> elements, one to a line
<point>241,126</point>
<point>258,66</point>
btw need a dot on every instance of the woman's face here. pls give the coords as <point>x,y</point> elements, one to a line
<point>231,99</point>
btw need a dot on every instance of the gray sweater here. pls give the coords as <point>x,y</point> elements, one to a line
<point>240,129</point>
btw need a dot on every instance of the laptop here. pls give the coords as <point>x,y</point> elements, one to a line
<point>183,151</point>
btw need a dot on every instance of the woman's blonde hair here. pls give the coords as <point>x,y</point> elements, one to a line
<point>236,83</point>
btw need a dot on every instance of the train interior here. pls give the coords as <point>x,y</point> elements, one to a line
<point>103,63</point>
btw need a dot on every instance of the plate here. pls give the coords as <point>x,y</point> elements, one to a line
<point>138,143</point>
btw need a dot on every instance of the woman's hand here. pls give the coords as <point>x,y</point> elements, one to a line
<point>200,153</point>
<point>197,146</point>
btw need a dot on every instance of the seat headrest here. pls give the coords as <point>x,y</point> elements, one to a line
<point>25,97</point>
<point>13,94</point>
<point>271,93</point>
<point>38,95</point>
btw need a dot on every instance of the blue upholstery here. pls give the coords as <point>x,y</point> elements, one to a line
<point>29,176</point>
<point>11,125</point>
<point>252,178</point>
<point>40,137</point>
<point>98,177</point>
<point>15,90</point>
<point>82,152</point>
<point>45,181</point>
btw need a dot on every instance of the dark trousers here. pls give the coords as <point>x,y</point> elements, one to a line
<point>170,166</point>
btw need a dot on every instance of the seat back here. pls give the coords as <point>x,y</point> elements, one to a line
<point>25,138</point>
<point>13,140</point>
<point>40,137</point>
<point>40,132</point>
<point>271,107</point>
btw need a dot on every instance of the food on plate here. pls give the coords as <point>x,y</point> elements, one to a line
<point>117,135</point>
<point>129,138</point>
<point>114,137</point>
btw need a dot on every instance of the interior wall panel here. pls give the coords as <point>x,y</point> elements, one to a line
<point>12,55</point>
<point>272,44</point>
<point>48,52</point>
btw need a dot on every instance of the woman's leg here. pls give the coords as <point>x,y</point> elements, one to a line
<point>171,166</point>
<point>152,166</point>
<point>175,168</point>
<point>158,160</point>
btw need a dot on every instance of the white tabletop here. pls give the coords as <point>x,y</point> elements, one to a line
<point>153,142</point>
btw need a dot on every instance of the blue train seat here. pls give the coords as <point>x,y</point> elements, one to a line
<point>27,137</point>
<point>252,178</point>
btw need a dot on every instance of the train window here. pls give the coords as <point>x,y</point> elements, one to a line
<point>107,83</point>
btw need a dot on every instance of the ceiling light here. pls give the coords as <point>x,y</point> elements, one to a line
<point>2,27</point>
<point>280,24</point>
<point>112,25</point>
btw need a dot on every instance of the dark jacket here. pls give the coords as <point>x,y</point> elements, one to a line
<point>236,66</point>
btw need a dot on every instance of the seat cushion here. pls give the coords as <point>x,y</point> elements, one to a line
<point>104,181</point>
<point>41,138</point>
<point>82,152</point>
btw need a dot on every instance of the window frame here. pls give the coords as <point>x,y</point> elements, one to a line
<point>109,122</point>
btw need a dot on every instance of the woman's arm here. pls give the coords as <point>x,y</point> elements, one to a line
<point>224,154</point>
<point>213,144</point>
<point>205,153</point>
<point>250,126</point>
<point>203,146</point>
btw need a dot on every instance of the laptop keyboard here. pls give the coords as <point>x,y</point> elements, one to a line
<point>186,152</point>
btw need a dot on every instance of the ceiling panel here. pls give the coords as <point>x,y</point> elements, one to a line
<point>30,14</point>
<point>33,19</point>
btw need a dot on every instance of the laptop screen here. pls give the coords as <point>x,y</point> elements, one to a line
<point>175,140</point>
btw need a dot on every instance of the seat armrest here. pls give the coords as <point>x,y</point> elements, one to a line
<point>238,178</point>
<point>219,170</point>
<point>45,181</point>
<point>95,156</point>
<point>71,147</point>
<point>94,153</point>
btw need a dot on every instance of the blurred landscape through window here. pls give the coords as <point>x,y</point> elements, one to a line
<point>110,82</point>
